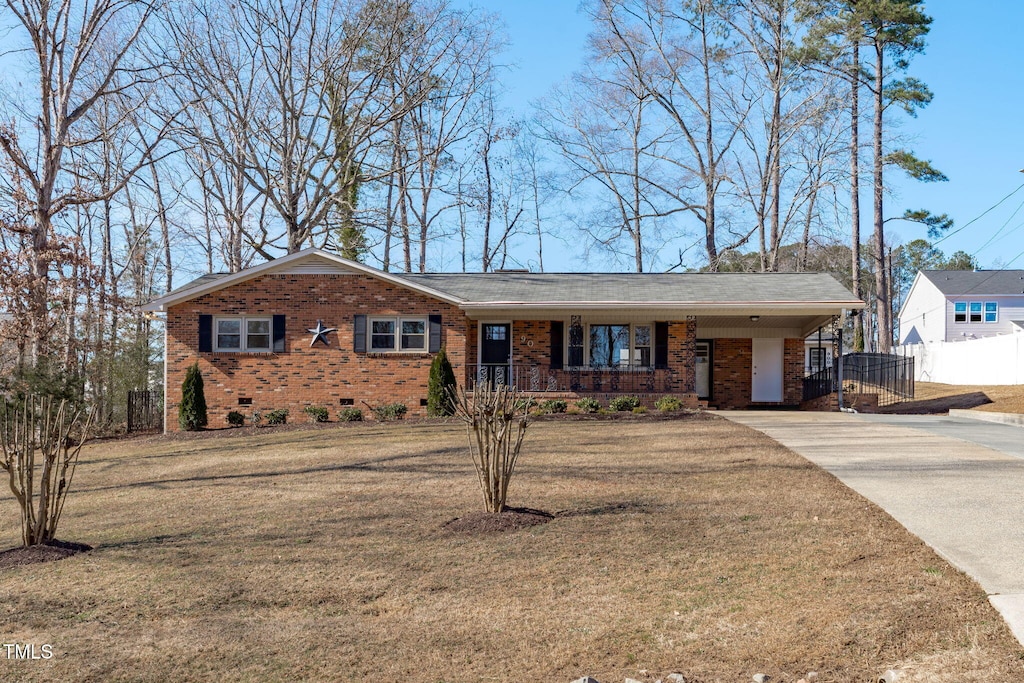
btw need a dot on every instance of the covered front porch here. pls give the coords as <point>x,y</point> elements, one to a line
<point>714,361</point>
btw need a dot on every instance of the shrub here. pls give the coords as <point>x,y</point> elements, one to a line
<point>192,410</point>
<point>236,419</point>
<point>441,386</point>
<point>350,414</point>
<point>257,417</point>
<point>316,413</point>
<point>588,405</point>
<point>639,410</point>
<point>554,405</point>
<point>667,404</point>
<point>496,423</point>
<point>390,411</point>
<point>41,437</point>
<point>526,404</point>
<point>624,403</point>
<point>277,417</point>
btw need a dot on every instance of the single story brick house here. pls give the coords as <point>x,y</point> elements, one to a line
<point>312,328</point>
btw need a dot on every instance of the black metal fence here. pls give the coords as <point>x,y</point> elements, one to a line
<point>889,376</point>
<point>145,411</point>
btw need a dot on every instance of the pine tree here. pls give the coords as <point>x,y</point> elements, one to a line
<point>192,410</point>
<point>441,387</point>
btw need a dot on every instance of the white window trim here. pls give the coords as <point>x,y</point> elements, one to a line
<point>967,315</point>
<point>397,320</point>
<point>981,313</point>
<point>243,344</point>
<point>632,346</point>
<point>984,312</point>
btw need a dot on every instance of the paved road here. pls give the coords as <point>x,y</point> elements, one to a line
<point>955,483</point>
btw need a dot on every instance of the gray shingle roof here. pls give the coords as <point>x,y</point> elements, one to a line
<point>977,282</point>
<point>639,287</point>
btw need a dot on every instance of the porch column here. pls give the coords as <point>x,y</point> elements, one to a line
<point>682,355</point>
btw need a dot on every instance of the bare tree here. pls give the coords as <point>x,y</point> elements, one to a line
<point>615,157</point>
<point>682,55</point>
<point>81,57</point>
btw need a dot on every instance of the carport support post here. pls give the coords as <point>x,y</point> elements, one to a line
<point>839,371</point>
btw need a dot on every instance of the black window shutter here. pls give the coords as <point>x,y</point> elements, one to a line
<point>435,334</point>
<point>359,334</point>
<point>661,345</point>
<point>279,323</point>
<point>557,343</point>
<point>205,333</point>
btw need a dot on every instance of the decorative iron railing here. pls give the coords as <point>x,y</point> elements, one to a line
<point>627,380</point>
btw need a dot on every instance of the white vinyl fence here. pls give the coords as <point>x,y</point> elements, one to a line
<point>992,360</point>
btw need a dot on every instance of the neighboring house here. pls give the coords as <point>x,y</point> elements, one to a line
<point>964,327</point>
<point>312,328</point>
<point>954,305</point>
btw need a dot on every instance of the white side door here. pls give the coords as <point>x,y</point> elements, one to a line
<point>766,374</point>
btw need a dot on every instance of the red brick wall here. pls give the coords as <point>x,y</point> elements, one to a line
<point>305,375</point>
<point>682,354</point>
<point>731,374</point>
<point>793,371</point>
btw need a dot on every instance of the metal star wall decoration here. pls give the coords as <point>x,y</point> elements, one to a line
<point>320,333</point>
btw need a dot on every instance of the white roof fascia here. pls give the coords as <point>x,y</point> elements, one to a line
<point>161,304</point>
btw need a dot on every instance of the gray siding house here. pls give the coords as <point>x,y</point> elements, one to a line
<point>956,305</point>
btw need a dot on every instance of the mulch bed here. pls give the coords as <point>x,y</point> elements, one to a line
<point>48,552</point>
<point>509,519</point>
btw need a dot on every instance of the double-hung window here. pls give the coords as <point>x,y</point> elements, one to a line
<point>398,334</point>
<point>991,312</point>
<point>975,311</point>
<point>242,333</point>
<point>960,311</point>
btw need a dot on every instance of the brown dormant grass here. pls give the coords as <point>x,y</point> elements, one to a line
<point>689,545</point>
<point>1005,398</point>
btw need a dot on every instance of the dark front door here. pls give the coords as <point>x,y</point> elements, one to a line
<point>495,352</point>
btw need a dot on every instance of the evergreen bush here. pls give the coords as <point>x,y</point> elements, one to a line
<point>277,417</point>
<point>554,405</point>
<point>668,404</point>
<point>390,411</point>
<point>236,419</point>
<point>624,403</point>
<point>317,413</point>
<point>192,410</point>
<point>350,414</point>
<point>441,386</point>
<point>588,405</point>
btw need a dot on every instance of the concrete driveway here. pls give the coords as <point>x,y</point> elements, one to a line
<point>955,483</point>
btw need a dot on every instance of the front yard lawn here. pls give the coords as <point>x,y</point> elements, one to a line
<point>690,545</point>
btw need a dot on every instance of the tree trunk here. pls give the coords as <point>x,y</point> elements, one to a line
<point>859,327</point>
<point>881,276</point>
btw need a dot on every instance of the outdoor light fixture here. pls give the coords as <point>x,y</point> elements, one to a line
<point>754,318</point>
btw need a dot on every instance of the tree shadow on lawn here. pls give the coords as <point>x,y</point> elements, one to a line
<point>938,406</point>
<point>375,465</point>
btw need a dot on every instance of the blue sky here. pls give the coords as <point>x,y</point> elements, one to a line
<point>971,131</point>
